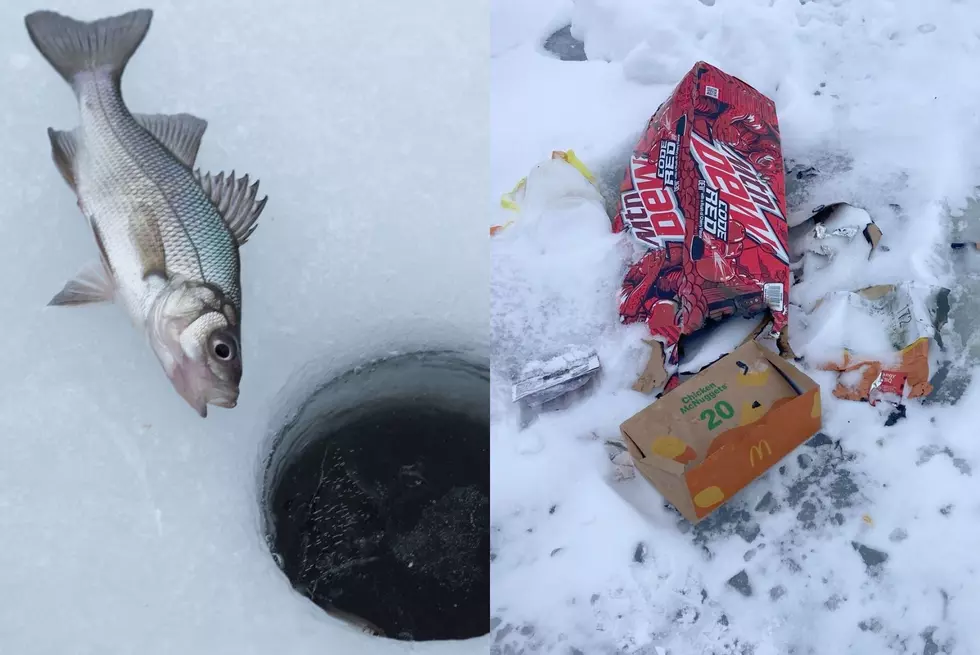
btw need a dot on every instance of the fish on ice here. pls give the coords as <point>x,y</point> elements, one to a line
<point>168,236</point>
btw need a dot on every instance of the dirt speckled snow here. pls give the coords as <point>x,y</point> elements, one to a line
<point>861,541</point>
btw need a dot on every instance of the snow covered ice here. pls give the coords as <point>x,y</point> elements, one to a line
<point>127,523</point>
<point>864,539</point>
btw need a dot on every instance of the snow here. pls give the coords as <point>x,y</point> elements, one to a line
<point>863,541</point>
<point>128,524</point>
<point>562,250</point>
<point>841,320</point>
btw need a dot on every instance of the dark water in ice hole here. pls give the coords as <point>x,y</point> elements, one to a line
<point>386,517</point>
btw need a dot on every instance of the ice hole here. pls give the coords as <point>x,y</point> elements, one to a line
<point>376,497</point>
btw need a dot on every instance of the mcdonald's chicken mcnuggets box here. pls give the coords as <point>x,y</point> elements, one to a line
<point>702,442</point>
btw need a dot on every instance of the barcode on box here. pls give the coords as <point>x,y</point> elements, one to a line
<point>773,293</point>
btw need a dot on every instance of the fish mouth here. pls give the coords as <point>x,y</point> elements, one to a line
<point>201,406</point>
<point>198,403</point>
<point>226,403</point>
<point>198,398</point>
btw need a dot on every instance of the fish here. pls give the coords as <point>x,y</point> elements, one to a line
<point>168,235</point>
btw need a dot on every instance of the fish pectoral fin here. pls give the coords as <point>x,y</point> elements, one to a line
<point>179,133</point>
<point>64,148</point>
<point>235,201</point>
<point>93,284</point>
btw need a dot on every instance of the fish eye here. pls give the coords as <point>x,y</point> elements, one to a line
<point>223,350</point>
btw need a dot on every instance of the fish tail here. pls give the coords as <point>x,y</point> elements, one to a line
<point>75,47</point>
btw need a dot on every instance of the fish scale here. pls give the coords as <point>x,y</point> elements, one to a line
<point>127,178</point>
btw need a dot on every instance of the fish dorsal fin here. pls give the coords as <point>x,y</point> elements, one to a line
<point>235,201</point>
<point>92,284</point>
<point>64,147</point>
<point>179,133</point>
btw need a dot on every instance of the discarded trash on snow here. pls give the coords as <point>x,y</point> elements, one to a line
<point>559,213</point>
<point>654,375</point>
<point>710,345</point>
<point>563,164</point>
<point>621,460</point>
<point>704,200</point>
<point>541,382</point>
<point>702,442</point>
<point>877,339</point>
<point>555,383</point>
<point>817,242</point>
<point>967,236</point>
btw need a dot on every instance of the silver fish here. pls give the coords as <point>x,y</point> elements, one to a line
<point>168,236</point>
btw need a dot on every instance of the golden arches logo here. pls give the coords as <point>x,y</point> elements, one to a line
<point>756,451</point>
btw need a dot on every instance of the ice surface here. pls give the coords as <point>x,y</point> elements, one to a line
<point>128,524</point>
<point>860,541</point>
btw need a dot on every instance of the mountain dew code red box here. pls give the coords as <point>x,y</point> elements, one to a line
<point>704,199</point>
<point>712,435</point>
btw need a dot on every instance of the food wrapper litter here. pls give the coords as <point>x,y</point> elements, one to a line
<point>877,339</point>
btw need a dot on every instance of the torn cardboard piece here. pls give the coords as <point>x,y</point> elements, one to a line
<point>655,377</point>
<point>714,341</point>
<point>782,341</point>
<point>909,316</point>
<point>716,432</point>
<point>817,242</point>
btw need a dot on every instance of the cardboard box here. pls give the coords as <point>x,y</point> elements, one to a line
<point>703,199</point>
<point>715,433</point>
